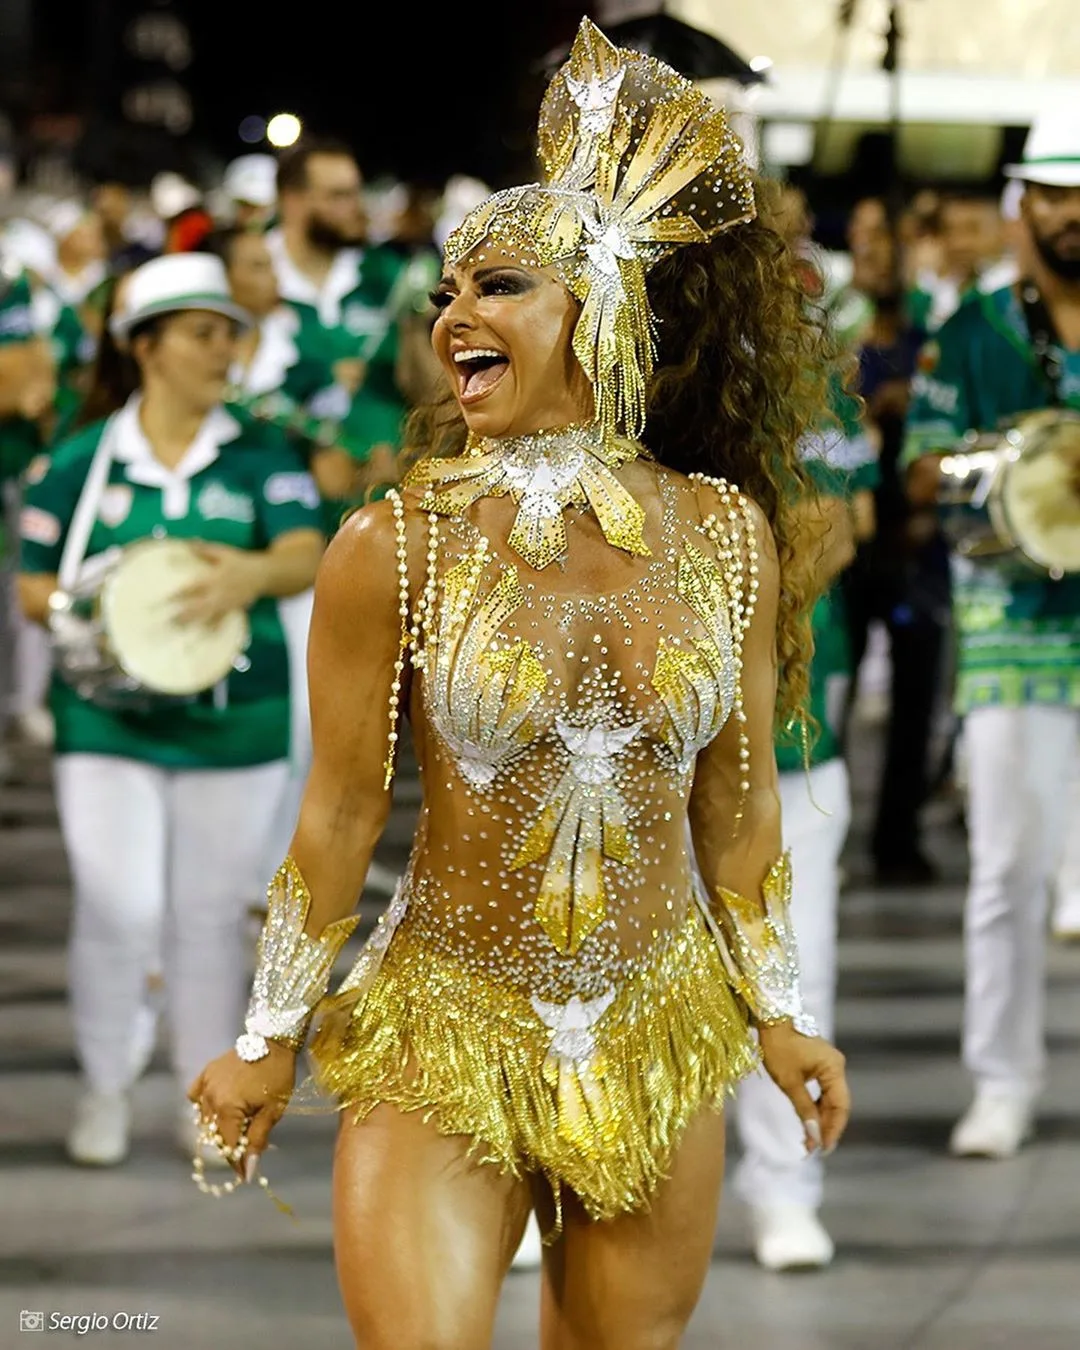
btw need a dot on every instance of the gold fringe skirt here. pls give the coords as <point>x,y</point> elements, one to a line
<point>598,1108</point>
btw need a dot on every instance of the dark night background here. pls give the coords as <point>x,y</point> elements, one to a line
<point>418,96</point>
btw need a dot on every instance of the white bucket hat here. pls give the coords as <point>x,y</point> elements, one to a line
<point>1052,149</point>
<point>176,282</point>
<point>251,179</point>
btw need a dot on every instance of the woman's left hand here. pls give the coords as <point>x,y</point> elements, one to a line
<point>793,1060</point>
<point>234,582</point>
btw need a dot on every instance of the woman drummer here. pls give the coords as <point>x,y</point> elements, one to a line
<point>165,807</point>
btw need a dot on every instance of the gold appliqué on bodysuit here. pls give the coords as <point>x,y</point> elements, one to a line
<point>698,682</point>
<point>481,696</point>
<point>582,822</point>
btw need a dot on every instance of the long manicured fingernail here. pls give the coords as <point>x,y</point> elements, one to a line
<point>251,1167</point>
<point>813,1130</point>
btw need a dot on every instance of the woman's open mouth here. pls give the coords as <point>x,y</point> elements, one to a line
<point>479,370</point>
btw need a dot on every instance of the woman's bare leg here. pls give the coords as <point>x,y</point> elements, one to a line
<point>632,1283</point>
<point>423,1236</point>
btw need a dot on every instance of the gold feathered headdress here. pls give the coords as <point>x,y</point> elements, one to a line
<point>636,162</point>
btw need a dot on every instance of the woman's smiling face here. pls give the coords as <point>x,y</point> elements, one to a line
<point>504,337</point>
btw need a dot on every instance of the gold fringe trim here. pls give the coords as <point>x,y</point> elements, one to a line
<point>430,1034</point>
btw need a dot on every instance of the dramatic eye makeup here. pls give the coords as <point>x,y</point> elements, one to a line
<point>488,281</point>
<point>503,281</point>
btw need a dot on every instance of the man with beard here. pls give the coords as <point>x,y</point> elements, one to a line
<point>1018,678</point>
<point>342,291</point>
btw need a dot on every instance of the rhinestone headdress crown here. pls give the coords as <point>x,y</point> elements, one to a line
<point>636,162</point>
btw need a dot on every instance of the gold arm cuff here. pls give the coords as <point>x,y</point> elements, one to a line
<point>764,950</point>
<point>293,970</point>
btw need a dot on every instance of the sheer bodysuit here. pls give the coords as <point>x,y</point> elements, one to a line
<point>547,980</point>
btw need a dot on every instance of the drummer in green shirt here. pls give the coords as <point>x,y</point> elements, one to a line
<point>165,805</point>
<point>283,384</point>
<point>1018,681</point>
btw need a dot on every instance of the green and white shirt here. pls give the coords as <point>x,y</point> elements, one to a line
<point>229,489</point>
<point>1019,640</point>
<point>339,319</point>
<point>289,384</point>
<point>840,462</point>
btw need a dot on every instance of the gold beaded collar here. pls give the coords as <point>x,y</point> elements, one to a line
<point>544,473</point>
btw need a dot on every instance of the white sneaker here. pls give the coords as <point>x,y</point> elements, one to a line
<point>1066,921</point>
<point>790,1237</point>
<point>530,1252</point>
<point>994,1126</point>
<point>99,1136</point>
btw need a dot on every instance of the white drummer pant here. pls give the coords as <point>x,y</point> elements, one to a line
<point>774,1168</point>
<point>1020,765</point>
<point>295,613</point>
<point>1067,880</point>
<point>162,862</point>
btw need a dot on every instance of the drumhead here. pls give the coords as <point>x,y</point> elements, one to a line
<point>137,607</point>
<point>1040,496</point>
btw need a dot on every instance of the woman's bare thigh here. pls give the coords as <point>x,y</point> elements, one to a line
<point>632,1282</point>
<point>423,1236</point>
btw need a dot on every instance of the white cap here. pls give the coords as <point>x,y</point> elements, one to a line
<point>170,195</point>
<point>251,179</point>
<point>1052,149</point>
<point>178,281</point>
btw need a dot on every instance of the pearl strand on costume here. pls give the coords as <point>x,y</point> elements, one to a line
<point>403,641</point>
<point>737,554</point>
<point>425,612</point>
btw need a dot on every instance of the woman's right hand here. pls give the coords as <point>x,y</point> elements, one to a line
<point>234,1093</point>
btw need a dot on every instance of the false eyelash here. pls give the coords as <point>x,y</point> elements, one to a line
<point>440,299</point>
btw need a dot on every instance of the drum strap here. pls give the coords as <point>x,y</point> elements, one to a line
<point>1045,340</point>
<point>86,509</point>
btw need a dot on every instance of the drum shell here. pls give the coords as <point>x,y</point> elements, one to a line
<point>96,665</point>
<point>970,483</point>
<point>979,490</point>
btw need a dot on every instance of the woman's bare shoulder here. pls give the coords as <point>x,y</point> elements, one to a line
<point>360,566</point>
<point>715,495</point>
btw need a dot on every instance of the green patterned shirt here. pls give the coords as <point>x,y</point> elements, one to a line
<point>1018,640</point>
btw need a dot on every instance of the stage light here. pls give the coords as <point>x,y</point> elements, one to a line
<point>252,130</point>
<point>283,129</point>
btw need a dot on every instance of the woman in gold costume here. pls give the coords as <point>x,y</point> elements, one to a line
<point>586,636</point>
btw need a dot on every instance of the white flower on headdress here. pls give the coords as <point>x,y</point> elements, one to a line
<point>608,247</point>
<point>595,99</point>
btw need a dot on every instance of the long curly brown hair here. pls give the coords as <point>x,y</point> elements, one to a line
<point>742,375</point>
